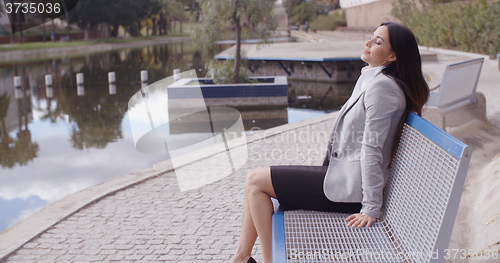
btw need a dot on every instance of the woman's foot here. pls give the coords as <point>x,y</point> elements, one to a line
<point>243,259</point>
<point>251,260</point>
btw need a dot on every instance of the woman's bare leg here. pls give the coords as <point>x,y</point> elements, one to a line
<point>248,235</point>
<point>257,212</point>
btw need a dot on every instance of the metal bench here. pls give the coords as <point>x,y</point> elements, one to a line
<point>421,200</point>
<point>456,91</point>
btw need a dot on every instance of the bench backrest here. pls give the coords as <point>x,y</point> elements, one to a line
<point>459,82</point>
<point>424,189</point>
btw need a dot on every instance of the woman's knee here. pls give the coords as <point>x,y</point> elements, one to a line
<point>257,179</point>
<point>252,177</point>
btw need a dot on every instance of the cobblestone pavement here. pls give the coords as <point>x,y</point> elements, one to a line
<point>153,221</point>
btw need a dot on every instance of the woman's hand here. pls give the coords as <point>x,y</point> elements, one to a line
<point>360,220</point>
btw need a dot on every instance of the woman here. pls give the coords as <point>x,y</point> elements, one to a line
<point>363,137</point>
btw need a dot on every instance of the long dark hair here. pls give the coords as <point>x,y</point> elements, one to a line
<point>407,69</point>
<point>407,72</point>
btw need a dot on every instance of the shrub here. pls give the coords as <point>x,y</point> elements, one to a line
<point>468,26</point>
<point>328,22</point>
<point>222,72</point>
<point>304,12</point>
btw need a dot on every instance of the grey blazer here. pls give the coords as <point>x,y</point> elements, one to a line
<point>360,145</point>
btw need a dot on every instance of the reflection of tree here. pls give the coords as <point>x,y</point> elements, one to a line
<point>198,64</point>
<point>4,106</point>
<point>25,149</point>
<point>12,151</point>
<point>6,152</point>
<point>7,155</point>
<point>96,117</point>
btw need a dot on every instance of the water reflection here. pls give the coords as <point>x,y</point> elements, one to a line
<point>60,138</point>
<point>19,150</point>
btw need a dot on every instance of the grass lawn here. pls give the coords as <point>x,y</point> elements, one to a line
<point>49,44</point>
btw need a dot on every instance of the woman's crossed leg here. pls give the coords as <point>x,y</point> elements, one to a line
<point>257,215</point>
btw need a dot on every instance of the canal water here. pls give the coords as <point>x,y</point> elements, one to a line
<point>59,141</point>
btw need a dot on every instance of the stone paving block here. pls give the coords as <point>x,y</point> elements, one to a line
<point>107,252</point>
<point>115,257</point>
<point>58,251</point>
<point>75,251</point>
<point>64,258</point>
<point>133,257</point>
<point>169,258</point>
<point>149,258</point>
<point>125,252</point>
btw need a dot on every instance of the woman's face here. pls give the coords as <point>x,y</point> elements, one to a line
<point>378,50</point>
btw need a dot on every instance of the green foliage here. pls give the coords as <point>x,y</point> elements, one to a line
<point>305,12</point>
<point>290,5</point>
<point>328,22</point>
<point>90,13</point>
<point>216,14</point>
<point>256,16</point>
<point>468,26</point>
<point>223,73</point>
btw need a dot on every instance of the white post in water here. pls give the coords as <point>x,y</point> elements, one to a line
<point>111,77</point>
<point>48,80</point>
<point>80,90</point>
<point>79,78</point>
<point>144,76</point>
<point>18,92</point>
<point>49,91</point>
<point>177,74</point>
<point>17,81</point>
<point>112,89</point>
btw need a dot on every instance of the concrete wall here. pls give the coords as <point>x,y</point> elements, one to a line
<point>369,15</point>
<point>310,71</point>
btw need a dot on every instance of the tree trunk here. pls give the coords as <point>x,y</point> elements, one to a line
<point>114,32</point>
<point>237,57</point>
<point>53,34</point>
<point>86,33</point>
<point>165,26</point>
<point>67,18</point>
<point>14,20</point>
<point>20,21</point>
<point>43,24</point>
<point>154,27</point>
<point>180,25</point>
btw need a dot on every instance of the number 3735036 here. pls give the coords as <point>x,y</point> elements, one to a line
<point>470,254</point>
<point>32,8</point>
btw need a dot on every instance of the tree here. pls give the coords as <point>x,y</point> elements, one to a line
<point>170,10</point>
<point>242,15</point>
<point>126,13</point>
<point>290,5</point>
<point>304,12</point>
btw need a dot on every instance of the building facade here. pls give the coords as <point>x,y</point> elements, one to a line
<point>367,13</point>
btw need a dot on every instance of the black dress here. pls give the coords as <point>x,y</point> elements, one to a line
<point>301,187</point>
